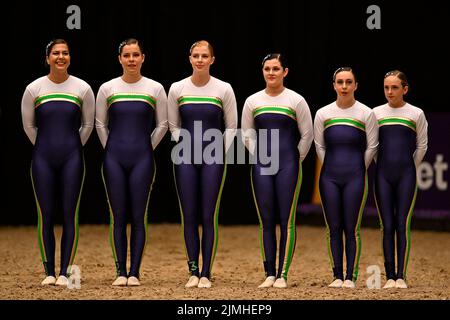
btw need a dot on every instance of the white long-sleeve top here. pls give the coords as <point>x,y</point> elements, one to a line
<point>359,114</point>
<point>216,89</point>
<point>410,116</point>
<point>144,86</point>
<point>288,103</point>
<point>73,89</point>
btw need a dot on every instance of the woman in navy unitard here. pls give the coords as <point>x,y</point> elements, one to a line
<point>346,138</point>
<point>403,144</point>
<point>200,106</point>
<point>58,117</point>
<point>131,119</point>
<point>277,109</point>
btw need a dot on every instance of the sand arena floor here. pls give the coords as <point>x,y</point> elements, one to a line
<point>237,269</point>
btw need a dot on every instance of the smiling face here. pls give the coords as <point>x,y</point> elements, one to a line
<point>201,59</point>
<point>131,59</point>
<point>394,91</point>
<point>345,84</point>
<point>58,58</point>
<point>274,73</point>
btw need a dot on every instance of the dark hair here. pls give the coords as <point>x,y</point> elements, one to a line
<point>202,43</point>
<point>277,56</point>
<point>341,69</point>
<point>399,74</point>
<point>128,42</point>
<point>52,43</point>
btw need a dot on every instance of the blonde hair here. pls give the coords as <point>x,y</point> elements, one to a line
<point>202,43</point>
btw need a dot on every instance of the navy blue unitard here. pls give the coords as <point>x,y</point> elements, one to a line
<point>346,141</point>
<point>126,117</point>
<point>199,183</point>
<point>276,192</point>
<point>402,145</point>
<point>52,116</point>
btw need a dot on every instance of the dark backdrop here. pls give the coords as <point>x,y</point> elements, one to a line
<point>316,36</point>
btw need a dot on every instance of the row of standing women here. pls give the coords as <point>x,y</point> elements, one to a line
<point>131,113</point>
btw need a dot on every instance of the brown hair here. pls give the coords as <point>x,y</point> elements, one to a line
<point>278,56</point>
<point>128,42</point>
<point>341,69</point>
<point>399,74</point>
<point>52,43</point>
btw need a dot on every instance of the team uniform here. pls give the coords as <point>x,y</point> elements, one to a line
<point>346,141</point>
<point>58,119</point>
<point>403,144</point>
<point>289,114</point>
<point>131,119</point>
<point>199,184</point>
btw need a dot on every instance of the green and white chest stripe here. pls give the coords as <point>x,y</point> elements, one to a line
<point>121,97</point>
<point>58,97</point>
<point>389,121</point>
<point>277,109</point>
<point>346,122</point>
<point>184,100</point>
